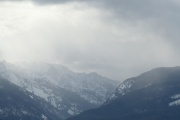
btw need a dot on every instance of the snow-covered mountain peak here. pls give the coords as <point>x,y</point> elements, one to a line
<point>60,86</point>
<point>147,79</point>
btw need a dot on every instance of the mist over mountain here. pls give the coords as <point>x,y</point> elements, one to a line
<point>67,91</point>
<point>101,39</point>
<point>154,95</point>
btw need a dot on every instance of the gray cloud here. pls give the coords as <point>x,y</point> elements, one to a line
<point>45,2</point>
<point>163,15</point>
<point>116,38</point>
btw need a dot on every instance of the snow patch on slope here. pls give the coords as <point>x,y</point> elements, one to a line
<point>71,112</point>
<point>175,103</point>
<point>44,117</point>
<point>122,89</point>
<point>176,96</point>
<point>177,100</point>
<point>125,86</point>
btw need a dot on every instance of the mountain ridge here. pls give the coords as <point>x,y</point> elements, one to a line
<point>153,95</point>
<point>69,92</point>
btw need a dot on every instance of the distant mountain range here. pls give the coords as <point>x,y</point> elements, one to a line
<point>40,91</point>
<point>154,95</point>
<point>33,91</point>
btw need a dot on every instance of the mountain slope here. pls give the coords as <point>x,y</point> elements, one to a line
<point>18,104</point>
<point>154,95</point>
<point>69,92</point>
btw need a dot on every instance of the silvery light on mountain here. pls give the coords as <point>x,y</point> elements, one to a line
<point>67,91</point>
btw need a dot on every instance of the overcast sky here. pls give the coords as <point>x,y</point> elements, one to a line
<point>115,38</point>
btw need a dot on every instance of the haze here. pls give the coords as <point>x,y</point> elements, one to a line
<point>115,38</point>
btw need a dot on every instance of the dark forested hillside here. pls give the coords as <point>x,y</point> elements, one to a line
<point>154,95</point>
<point>18,104</point>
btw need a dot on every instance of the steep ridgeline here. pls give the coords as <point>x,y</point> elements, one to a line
<point>18,104</point>
<point>154,95</point>
<point>69,92</point>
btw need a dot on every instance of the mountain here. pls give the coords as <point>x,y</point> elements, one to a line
<point>67,91</point>
<point>154,95</point>
<point>18,104</point>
